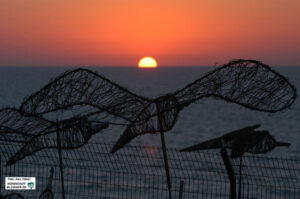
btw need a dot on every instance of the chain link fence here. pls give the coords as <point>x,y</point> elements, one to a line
<point>137,172</point>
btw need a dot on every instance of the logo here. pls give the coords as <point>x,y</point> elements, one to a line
<point>30,185</point>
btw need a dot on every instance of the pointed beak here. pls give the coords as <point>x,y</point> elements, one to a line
<point>124,139</point>
<point>282,144</point>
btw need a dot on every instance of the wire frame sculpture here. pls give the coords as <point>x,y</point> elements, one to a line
<point>38,133</point>
<point>86,94</point>
<point>239,141</point>
<point>74,133</point>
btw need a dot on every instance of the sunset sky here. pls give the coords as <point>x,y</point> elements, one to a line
<point>174,32</point>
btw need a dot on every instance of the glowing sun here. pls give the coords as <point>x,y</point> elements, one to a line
<point>147,62</point>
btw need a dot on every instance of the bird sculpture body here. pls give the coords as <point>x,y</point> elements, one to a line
<point>241,141</point>
<point>158,116</point>
<point>74,133</point>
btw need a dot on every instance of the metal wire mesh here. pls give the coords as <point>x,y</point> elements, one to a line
<point>137,172</point>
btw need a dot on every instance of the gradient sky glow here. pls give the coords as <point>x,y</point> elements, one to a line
<point>174,32</point>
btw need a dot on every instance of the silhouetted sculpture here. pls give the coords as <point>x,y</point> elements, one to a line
<point>47,193</point>
<point>63,135</point>
<point>241,141</point>
<point>74,133</point>
<point>249,83</point>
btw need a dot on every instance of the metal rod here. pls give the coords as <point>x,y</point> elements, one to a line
<point>166,162</point>
<point>230,173</point>
<point>181,189</point>
<point>240,178</point>
<point>60,161</point>
<point>163,143</point>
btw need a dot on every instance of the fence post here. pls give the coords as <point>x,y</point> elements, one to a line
<point>181,189</point>
<point>60,161</point>
<point>230,173</point>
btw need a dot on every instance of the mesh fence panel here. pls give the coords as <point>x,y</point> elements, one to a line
<point>137,172</point>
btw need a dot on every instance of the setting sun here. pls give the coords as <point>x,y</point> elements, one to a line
<point>147,62</point>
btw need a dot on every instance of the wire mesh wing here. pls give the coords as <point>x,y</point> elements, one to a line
<point>82,87</point>
<point>74,133</point>
<point>14,125</point>
<point>249,83</point>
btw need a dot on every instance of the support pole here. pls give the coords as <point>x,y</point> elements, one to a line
<point>60,160</point>
<point>181,189</point>
<point>230,173</point>
<point>163,143</point>
<point>240,178</point>
<point>166,162</point>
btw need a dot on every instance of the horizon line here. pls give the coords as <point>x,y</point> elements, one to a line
<point>120,66</point>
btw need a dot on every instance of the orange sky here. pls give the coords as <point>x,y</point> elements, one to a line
<point>175,32</point>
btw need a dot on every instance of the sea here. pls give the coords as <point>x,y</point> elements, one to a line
<point>206,119</point>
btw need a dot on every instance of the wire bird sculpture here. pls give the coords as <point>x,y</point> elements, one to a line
<point>74,133</point>
<point>47,193</point>
<point>249,83</point>
<point>239,141</point>
<point>39,133</point>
